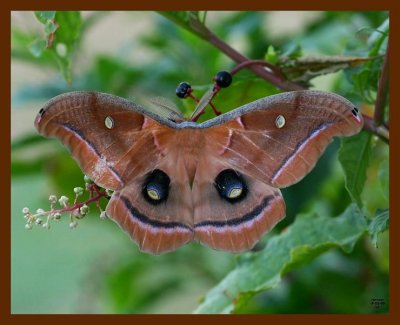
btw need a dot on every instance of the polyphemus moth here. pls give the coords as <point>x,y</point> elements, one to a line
<point>216,182</point>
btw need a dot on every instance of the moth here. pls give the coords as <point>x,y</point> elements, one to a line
<point>216,182</point>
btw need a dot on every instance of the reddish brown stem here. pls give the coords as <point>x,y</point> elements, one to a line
<point>260,71</point>
<point>193,97</point>
<point>380,130</point>
<point>99,195</point>
<point>216,112</point>
<point>270,66</point>
<point>275,78</point>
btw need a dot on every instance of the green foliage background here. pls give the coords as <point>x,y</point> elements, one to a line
<point>329,255</point>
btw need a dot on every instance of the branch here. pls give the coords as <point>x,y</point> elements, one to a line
<point>258,70</point>
<point>77,210</point>
<point>273,74</point>
<point>192,23</point>
<point>380,130</point>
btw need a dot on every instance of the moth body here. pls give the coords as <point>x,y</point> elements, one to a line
<point>215,182</point>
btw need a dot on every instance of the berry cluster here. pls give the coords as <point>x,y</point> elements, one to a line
<point>222,79</point>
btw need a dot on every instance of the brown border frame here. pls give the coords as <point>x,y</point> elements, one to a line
<point>5,21</point>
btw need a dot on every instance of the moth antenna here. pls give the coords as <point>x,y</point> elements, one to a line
<point>201,105</point>
<point>222,79</point>
<point>185,90</point>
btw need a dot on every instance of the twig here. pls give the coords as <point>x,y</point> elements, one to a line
<point>197,27</point>
<point>380,130</point>
<point>376,126</point>
<point>370,125</point>
<point>260,71</point>
<point>76,211</point>
<point>270,66</point>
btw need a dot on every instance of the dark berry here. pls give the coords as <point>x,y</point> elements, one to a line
<point>223,79</point>
<point>183,89</point>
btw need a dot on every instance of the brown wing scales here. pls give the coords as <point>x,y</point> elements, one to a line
<point>216,184</point>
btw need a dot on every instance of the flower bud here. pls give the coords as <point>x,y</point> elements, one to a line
<point>87,179</point>
<point>63,200</point>
<point>73,224</point>
<point>78,191</point>
<point>84,209</point>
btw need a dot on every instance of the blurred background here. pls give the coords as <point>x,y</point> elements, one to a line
<point>96,268</point>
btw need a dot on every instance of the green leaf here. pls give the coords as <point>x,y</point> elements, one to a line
<point>64,65</point>
<point>37,47</point>
<point>45,16</point>
<point>25,168</point>
<point>62,33</point>
<point>295,51</point>
<point>384,177</point>
<point>183,18</point>
<point>379,224</point>
<point>27,141</point>
<point>366,79</point>
<point>21,48</point>
<point>190,20</point>
<point>272,55</point>
<point>378,37</point>
<point>70,27</point>
<point>354,156</point>
<point>127,290</point>
<point>303,69</point>
<point>50,27</point>
<point>245,89</point>
<point>306,238</point>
